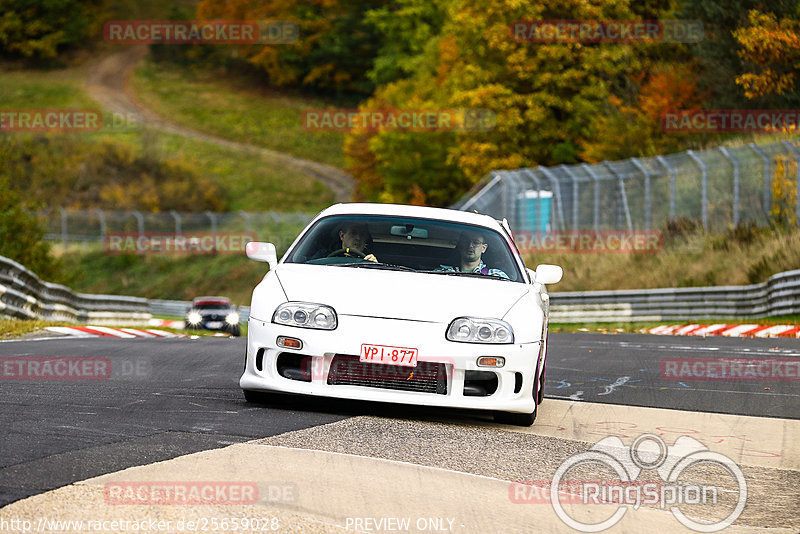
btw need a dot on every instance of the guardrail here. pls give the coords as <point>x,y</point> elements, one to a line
<point>24,296</point>
<point>779,295</point>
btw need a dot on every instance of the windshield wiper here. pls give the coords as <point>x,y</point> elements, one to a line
<point>468,273</point>
<point>374,265</point>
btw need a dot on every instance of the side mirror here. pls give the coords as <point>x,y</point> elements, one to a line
<point>548,274</point>
<point>258,251</point>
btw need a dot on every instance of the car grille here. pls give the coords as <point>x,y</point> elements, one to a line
<point>427,377</point>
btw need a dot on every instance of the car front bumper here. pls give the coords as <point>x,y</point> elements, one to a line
<point>330,354</point>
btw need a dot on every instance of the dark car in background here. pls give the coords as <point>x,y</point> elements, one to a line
<point>213,313</point>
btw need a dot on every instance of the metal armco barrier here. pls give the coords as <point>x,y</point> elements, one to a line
<point>24,296</point>
<point>779,295</point>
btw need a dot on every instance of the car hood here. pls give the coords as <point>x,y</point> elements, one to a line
<point>398,294</point>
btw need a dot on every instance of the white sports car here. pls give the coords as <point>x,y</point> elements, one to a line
<point>402,304</point>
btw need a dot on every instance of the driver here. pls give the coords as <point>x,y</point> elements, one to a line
<point>355,237</point>
<point>471,246</point>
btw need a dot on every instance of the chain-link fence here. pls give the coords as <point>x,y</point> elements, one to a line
<point>70,226</point>
<point>720,188</point>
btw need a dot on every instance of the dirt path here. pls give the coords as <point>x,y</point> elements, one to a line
<point>107,83</point>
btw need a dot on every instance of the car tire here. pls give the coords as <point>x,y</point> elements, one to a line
<point>516,419</point>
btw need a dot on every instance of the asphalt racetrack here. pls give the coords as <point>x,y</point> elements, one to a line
<point>170,399</point>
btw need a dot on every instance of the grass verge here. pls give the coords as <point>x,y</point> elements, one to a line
<point>233,109</point>
<point>249,181</point>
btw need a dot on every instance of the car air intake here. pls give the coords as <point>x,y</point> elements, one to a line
<point>426,377</point>
<point>479,383</point>
<point>294,366</point>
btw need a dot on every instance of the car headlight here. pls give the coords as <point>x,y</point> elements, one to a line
<point>194,317</point>
<point>475,330</point>
<point>305,315</point>
<point>232,318</point>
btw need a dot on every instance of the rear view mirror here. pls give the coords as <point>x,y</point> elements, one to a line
<point>409,230</point>
<point>548,274</point>
<point>258,251</point>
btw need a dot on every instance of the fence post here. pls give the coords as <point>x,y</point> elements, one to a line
<point>575,194</point>
<point>663,161</point>
<point>102,218</point>
<point>213,218</point>
<point>246,216</point>
<point>704,187</point>
<point>793,148</point>
<point>590,171</point>
<point>648,216</point>
<point>767,193</point>
<point>177,217</point>
<point>624,196</point>
<point>735,162</point>
<point>63,227</point>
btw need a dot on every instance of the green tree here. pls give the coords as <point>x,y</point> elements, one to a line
<point>42,29</point>
<point>22,236</point>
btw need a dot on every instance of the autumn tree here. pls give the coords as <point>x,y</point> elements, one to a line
<point>544,96</point>
<point>336,46</point>
<point>772,46</point>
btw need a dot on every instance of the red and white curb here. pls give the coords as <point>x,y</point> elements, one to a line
<point>104,331</point>
<point>727,330</point>
<point>166,323</point>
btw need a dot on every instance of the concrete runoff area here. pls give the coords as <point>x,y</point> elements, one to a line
<point>373,474</point>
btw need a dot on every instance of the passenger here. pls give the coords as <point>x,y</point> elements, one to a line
<point>470,247</point>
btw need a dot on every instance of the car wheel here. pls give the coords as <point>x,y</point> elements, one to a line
<point>236,332</point>
<point>517,419</point>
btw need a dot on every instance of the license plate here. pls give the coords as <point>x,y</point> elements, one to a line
<point>389,355</point>
<point>214,324</point>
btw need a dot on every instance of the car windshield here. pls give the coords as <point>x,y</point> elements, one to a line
<point>407,244</point>
<point>212,307</point>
